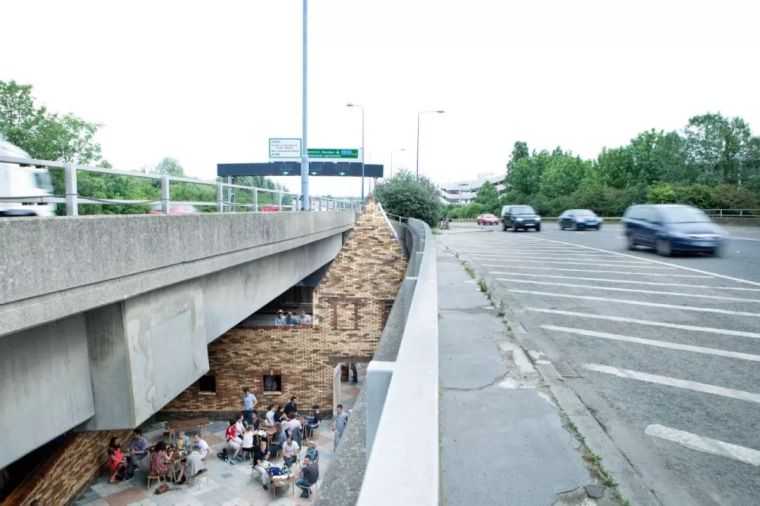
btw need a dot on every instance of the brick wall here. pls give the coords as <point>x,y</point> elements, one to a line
<point>351,305</point>
<point>67,471</point>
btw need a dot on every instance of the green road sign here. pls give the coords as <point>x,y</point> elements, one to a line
<point>334,153</point>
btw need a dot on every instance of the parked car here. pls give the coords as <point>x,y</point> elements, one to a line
<point>671,228</point>
<point>175,209</point>
<point>520,217</point>
<point>579,219</point>
<point>487,219</point>
<point>269,208</point>
<point>19,180</point>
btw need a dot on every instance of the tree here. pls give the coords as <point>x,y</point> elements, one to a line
<point>716,148</point>
<point>406,195</point>
<point>169,167</point>
<point>519,151</point>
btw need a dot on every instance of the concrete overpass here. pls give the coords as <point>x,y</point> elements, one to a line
<point>105,319</point>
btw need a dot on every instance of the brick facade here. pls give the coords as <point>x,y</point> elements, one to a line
<point>350,308</point>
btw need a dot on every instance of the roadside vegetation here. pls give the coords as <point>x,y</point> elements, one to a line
<point>712,163</point>
<point>406,195</point>
<point>66,137</point>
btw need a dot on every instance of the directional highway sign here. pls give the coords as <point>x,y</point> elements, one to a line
<point>334,153</point>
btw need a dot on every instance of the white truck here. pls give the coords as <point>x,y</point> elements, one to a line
<point>21,181</point>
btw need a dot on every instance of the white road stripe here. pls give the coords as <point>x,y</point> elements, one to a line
<point>705,444</point>
<point>566,259</point>
<point>630,290</point>
<point>739,280</point>
<point>653,342</point>
<point>622,319</point>
<point>627,281</point>
<point>659,274</point>
<point>675,382</point>
<point>638,303</point>
<point>566,262</point>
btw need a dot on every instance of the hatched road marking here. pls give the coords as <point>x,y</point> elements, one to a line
<point>639,265</point>
<point>638,303</point>
<point>674,382</point>
<point>622,319</point>
<point>629,290</point>
<point>705,444</point>
<point>654,342</point>
<point>564,269</point>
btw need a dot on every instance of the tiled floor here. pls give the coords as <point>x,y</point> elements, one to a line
<point>223,484</point>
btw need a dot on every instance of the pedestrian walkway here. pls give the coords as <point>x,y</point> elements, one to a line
<point>502,438</point>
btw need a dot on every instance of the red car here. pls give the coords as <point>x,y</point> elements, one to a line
<point>488,219</point>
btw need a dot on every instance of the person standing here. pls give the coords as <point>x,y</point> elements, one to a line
<point>354,373</point>
<point>270,421</point>
<point>339,422</point>
<point>280,321</point>
<point>249,402</point>
<point>291,407</point>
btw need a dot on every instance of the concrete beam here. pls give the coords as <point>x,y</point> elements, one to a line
<point>56,267</point>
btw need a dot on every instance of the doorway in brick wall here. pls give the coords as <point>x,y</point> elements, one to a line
<point>348,380</point>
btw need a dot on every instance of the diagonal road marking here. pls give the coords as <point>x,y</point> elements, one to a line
<point>705,444</point>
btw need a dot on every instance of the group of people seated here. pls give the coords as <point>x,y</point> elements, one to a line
<point>283,318</point>
<point>123,466</point>
<point>279,431</point>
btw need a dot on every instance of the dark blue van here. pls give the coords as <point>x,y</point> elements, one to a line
<point>672,228</point>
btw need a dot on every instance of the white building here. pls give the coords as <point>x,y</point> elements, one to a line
<point>464,192</point>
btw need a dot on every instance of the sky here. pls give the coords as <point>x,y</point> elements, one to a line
<point>211,82</point>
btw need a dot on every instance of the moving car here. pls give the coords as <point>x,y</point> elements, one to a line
<point>579,219</point>
<point>519,217</point>
<point>23,181</point>
<point>672,228</point>
<point>487,219</point>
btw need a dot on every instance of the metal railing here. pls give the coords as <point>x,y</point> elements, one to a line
<point>72,199</point>
<point>733,213</point>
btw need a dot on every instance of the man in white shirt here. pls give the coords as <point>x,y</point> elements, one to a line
<point>270,415</point>
<point>290,451</point>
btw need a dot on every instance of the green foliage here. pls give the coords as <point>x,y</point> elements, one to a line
<point>405,195</point>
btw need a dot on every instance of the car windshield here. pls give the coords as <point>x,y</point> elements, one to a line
<point>523,210</point>
<point>684,215</point>
<point>584,213</point>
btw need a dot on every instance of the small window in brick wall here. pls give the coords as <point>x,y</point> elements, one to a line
<point>272,383</point>
<point>344,316</point>
<point>207,384</point>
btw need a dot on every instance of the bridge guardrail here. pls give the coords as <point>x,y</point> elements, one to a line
<point>72,199</point>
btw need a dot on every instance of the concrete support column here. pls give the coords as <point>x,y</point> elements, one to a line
<point>379,376</point>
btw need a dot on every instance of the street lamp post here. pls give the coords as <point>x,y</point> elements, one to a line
<point>362,108</point>
<point>418,137</point>
<point>305,201</point>
<point>394,151</point>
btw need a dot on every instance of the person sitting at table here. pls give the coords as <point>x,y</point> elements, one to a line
<point>138,448</point>
<point>255,420</point>
<point>279,414</point>
<point>309,476</point>
<point>247,444</point>
<point>311,451</point>
<point>278,440</point>
<point>290,451</point>
<point>160,463</point>
<point>240,426</point>
<point>196,461</point>
<point>117,462</point>
<point>269,417</point>
<point>292,406</point>
<point>233,443</point>
<point>312,422</point>
<point>261,462</point>
<point>183,442</point>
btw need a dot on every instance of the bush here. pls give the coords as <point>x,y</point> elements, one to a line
<point>405,195</point>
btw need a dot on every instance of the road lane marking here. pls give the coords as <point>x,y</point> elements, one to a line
<point>565,259</point>
<point>596,270</point>
<point>694,386</point>
<point>637,303</point>
<point>565,262</point>
<point>705,444</point>
<point>630,290</point>
<point>623,319</point>
<point>627,281</point>
<point>653,342</point>
<point>692,269</point>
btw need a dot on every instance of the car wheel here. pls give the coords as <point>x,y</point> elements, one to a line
<point>598,227</point>
<point>631,242</point>
<point>663,248</point>
<point>538,228</point>
<point>514,228</point>
<point>504,227</point>
<point>575,226</point>
<point>717,251</point>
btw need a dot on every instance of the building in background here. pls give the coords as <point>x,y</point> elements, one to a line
<point>464,192</point>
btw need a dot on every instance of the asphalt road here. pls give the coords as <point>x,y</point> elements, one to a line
<point>665,352</point>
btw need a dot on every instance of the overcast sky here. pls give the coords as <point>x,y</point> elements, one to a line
<point>209,82</point>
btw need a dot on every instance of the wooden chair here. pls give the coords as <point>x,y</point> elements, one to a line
<point>156,477</point>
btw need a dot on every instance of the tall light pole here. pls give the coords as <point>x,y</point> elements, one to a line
<point>394,151</point>
<point>305,205</point>
<point>362,108</point>
<point>418,137</point>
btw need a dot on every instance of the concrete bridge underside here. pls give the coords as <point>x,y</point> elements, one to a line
<point>104,320</point>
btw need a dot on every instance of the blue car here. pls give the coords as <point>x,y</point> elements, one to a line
<point>671,228</point>
<point>579,219</point>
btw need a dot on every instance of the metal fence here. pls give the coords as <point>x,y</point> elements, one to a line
<point>72,199</point>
